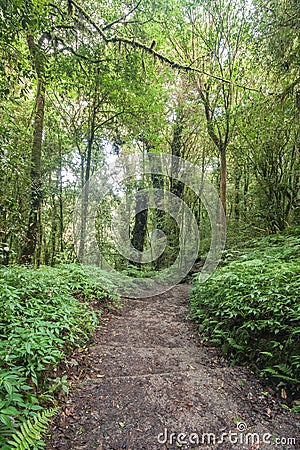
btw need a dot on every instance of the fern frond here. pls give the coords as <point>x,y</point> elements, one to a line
<point>30,433</point>
<point>5,433</point>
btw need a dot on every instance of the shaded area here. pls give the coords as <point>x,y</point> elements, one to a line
<point>148,372</point>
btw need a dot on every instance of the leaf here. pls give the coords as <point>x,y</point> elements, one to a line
<point>267,354</point>
<point>8,387</point>
<point>283,394</point>
<point>10,411</point>
<point>30,432</point>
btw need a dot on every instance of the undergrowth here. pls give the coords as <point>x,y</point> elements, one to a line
<point>44,314</point>
<point>250,307</point>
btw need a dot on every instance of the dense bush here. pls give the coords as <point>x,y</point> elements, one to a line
<point>250,306</point>
<point>43,314</point>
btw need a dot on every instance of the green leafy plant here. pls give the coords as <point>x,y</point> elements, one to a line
<point>44,314</point>
<point>31,431</point>
<point>250,307</point>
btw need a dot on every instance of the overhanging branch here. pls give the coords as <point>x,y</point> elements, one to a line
<point>136,44</point>
<point>123,17</point>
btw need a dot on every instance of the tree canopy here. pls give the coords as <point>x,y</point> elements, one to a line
<point>215,81</point>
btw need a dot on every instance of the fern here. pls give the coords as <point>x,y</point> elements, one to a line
<point>5,433</point>
<point>31,431</point>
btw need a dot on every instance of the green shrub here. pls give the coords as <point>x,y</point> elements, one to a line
<point>44,313</point>
<point>31,431</point>
<point>251,307</point>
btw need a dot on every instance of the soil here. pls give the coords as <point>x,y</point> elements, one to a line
<point>150,383</point>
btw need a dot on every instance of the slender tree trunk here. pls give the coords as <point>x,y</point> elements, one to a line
<point>33,233</point>
<point>34,230</point>
<point>221,143</point>
<point>39,233</point>
<point>223,182</point>
<point>237,197</point>
<point>61,214</point>
<point>158,183</point>
<point>53,231</point>
<point>245,191</point>
<point>139,230</point>
<point>176,188</point>
<point>85,199</point>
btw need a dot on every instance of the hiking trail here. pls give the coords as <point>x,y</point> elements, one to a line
<point>148,375</point>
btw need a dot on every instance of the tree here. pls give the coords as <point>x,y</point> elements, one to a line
<point>213,44</point>
<point>34,230</point>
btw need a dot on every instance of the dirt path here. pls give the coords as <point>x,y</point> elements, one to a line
<point>150,376</point>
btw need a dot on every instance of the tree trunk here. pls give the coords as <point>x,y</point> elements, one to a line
<point>158,182</point>
<point>61,214</point>
<point>34,223</point>
<point>140,229</point>
<point>221,143</point>
<point>85,199</point>
<point>160,218</point>
<point>176,188</point>
<point>237,197</point>
<point>223,183</point>
<point>34,230</point>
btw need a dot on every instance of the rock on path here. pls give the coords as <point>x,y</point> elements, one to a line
<point>151,382</point>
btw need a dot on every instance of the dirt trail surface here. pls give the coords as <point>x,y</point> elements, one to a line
<point>149,376</point>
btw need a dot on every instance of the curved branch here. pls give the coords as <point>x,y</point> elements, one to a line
<point>123,17</point>
<point>152,52</point>
<point>78,55</point>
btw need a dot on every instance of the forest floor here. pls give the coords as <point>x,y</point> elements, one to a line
<point>148,375</point>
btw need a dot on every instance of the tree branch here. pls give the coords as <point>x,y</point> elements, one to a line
<point>152,52</point>
<point>78,55</point>
<point>123,17</point>
<point>108,120</point>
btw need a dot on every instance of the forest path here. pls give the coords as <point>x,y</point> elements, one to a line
<point>148,372</point>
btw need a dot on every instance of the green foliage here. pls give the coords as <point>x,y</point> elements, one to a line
<point>146,270</point>
<point>250,307</point>
<point>44,313</point>
<point>31,431</point>
<point>79,280</point>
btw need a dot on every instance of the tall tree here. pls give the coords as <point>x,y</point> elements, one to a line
<point>33,236</point>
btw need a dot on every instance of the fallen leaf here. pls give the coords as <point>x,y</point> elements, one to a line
<point>69,411</point>
<point>283,394</point>
<point>254,447</point>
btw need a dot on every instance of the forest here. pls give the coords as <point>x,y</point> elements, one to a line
<point>210,91</point>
